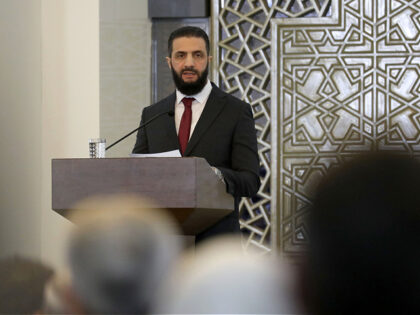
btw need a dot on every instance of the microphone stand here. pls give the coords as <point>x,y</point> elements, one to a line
<point>170,113</point>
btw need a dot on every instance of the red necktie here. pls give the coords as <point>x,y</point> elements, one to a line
<point>185,126</point>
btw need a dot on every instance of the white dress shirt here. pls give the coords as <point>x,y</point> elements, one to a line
<point>196,107</point>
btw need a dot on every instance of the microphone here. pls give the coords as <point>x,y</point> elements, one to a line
<point>170,113</point>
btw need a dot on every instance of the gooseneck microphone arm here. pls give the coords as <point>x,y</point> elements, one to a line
<point>169,113</point>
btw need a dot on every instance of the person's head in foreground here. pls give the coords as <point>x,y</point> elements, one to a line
<point>364,256</point>
<point>219,278</point>
<point>119,254</point>
<point>59,296</point>
<point>22,282</point>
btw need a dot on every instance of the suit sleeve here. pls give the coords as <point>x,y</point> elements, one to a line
<point>141,145</point>
<point>243,179</point>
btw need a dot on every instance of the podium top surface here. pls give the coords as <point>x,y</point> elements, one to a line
<point>187,187</point>
<point>171,182</point>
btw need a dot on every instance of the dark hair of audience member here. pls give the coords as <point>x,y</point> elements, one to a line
<point>364,256</point>
<point>22,284</point>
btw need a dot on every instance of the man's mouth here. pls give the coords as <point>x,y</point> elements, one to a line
<point>189,74</point>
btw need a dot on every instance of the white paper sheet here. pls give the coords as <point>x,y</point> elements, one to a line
<point>174,153</point>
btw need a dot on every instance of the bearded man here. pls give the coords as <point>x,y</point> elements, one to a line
<point>207,122</point>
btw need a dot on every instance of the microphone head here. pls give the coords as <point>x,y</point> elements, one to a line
<point>171,113</point>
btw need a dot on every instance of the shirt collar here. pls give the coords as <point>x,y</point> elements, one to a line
<point>201,96</point>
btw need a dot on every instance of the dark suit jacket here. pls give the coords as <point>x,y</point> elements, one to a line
<point>224,135</point>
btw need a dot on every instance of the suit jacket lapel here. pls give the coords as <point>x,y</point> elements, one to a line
<point>170,123</point>
<point>214,105</point>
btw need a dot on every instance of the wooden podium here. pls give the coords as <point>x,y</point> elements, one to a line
<point>187,187</point>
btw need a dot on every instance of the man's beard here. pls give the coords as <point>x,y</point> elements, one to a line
<point>190,88</point>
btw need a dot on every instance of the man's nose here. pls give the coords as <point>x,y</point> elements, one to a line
<point>189,61</point>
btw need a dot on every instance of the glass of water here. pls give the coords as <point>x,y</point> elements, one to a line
<point>97,148</point>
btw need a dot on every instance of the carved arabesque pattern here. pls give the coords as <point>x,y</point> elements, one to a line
<point>242,51</point>
<point>343,86</point>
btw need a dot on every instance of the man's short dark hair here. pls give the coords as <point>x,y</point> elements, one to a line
<point>188,31</point>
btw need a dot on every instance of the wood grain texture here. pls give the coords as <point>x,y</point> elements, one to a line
<point>187,187</point>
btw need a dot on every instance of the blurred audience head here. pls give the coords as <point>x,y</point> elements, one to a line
<point>219,278</point>
<point>119,254</point>
<point>59,297</point>
<point>365,233</point>
<point>22,284</point>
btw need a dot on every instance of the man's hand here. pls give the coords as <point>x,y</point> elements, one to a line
<point>218,173</point>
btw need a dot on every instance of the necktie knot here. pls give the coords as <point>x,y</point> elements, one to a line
<point>188,101</point>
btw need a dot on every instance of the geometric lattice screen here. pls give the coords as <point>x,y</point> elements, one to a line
<point>242,57</point>
<point>328,79</point>
<point>342,87</point>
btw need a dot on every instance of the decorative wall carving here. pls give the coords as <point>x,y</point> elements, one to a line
<point>242,51</point>
<point>346,80</point>
<point>344,85</point>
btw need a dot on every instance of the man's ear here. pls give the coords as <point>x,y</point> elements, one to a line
<point>168,61</point>
<point>210,58</point>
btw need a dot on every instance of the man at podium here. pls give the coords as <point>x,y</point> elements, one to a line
<point>201,120</point>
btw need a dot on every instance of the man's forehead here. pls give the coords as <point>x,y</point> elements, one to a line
<point>188,43</point>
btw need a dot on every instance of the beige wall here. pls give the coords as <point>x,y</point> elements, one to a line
<point>125,59</point>
<point>20,127</point>
<point>70,107</point>
<point>49,96</point>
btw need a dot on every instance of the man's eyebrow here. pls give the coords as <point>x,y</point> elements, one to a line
<point>183,51</point>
